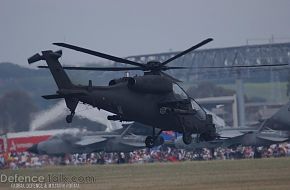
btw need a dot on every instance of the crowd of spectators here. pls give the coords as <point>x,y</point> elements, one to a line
<point>15,160</point>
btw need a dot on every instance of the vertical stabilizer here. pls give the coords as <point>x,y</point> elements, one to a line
<point>61,78</point>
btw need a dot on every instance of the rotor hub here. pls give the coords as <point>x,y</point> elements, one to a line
<point>153,65</point>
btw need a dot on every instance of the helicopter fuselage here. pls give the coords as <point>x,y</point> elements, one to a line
<point>167,110</point>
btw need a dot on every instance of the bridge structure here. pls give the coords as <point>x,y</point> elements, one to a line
<point>250,55</point>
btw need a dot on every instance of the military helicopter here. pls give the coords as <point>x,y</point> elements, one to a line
<point>155,98</point>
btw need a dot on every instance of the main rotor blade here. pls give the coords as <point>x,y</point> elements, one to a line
<point>99,54</point>
<point>243,66</point>
<point>98,68</point>
<point>188,50</point>
<point>170,68</point>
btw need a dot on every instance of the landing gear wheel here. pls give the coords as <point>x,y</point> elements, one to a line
<point>149,142</point>
<point>187,139</point>
<point>69,118</point>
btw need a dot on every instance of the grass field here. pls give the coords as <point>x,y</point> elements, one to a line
<point>260,174</point>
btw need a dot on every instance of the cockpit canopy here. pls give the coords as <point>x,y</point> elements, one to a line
<point>179,93</point>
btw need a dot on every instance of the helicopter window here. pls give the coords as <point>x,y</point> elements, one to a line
<point>200,112</point>
<point>179,92</point>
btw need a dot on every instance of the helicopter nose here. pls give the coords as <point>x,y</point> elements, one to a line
<point>33,149</point>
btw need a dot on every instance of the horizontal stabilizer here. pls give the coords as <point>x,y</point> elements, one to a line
<point>64,95</point>
<point>53,96</point>
<point>35,58</point>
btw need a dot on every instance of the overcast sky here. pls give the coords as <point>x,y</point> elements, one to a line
<point>132,27</point>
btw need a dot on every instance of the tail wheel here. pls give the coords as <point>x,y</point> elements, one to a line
<point>69,118</point>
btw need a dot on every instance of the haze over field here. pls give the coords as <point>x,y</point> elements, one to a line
<point>131,27</point>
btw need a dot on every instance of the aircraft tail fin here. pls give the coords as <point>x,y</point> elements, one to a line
<point>61,78</point>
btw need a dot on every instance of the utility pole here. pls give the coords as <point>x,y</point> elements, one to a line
<point>241,100</point>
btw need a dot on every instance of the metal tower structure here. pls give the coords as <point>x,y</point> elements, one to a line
<point>242,55</point>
